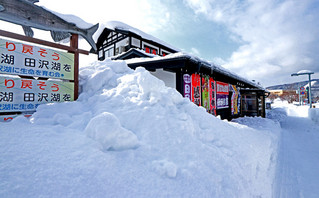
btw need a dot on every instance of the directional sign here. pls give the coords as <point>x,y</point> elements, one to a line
<point>302,91</point>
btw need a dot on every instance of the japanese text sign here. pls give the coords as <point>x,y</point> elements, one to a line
<point>187,86</point>
<point>20,95</point>
<point>222,93</point>
<point>196,89</point>
<point>5,118</point>
<point>28,60</point>
<point>222,88</point>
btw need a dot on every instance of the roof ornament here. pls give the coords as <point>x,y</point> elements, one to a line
<point>29,15</point>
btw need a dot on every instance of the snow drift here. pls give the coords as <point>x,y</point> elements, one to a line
<point>130,136</point>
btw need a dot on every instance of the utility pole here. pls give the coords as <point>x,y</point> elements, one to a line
<point>306,72</point>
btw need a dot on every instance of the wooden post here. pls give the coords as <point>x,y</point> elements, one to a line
<point>74,43</point>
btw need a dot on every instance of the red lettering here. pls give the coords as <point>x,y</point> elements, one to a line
<point>43,52</point>
<point>27,49</point>
<point>41,85</point>
<point>56,87</point>
<point>56,55</point>
<point>6,82</point>
<point>26,84</point>
<point>13,46</point>
<point>8,119</point>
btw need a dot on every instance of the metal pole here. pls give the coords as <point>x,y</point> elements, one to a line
<point>310,101</point>
<point>299,96</point>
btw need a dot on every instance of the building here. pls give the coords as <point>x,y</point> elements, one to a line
<point>115,38</point>
<point>288,95</point>
<point>218,90</point>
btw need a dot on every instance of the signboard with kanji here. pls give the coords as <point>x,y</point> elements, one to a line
<point>28,60</point>
<point>20,95</point>
<point>222,93</point>
<point>187,86</point>
<point>5,118</point>
<point>196,89</point>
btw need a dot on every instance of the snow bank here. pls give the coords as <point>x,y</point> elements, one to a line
<point>130,136</point>
<point>287,109</point>
<point>313,114</point>
<point>291,110</point>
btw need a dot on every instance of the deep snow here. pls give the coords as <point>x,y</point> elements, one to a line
<point>130,136</point>
<point>298,153</point>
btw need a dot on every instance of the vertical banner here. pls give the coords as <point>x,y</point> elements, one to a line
<point>187,86</point>
<point>238,100</point>
<point>196,89</point>
<point>222,93</point>
<point>235,100</point>
<point>205,93</point>
<point>212,96</point>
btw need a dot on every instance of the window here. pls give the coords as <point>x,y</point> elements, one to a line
<point>154,51</point>
<point>150,50</point>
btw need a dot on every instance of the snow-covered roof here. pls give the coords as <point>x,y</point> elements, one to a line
<point>113,25</point>
<point>133,50</point>
<point>193,58</point>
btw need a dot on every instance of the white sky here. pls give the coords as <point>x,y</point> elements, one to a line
<point>261,40</point>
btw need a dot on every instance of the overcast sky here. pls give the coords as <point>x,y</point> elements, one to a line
<point>262,40</point>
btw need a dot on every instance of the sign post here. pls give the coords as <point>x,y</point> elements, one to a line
<point>306,72</point>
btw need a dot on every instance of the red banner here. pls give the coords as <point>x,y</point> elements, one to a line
<point>196,89</point>
<point>222,88</point>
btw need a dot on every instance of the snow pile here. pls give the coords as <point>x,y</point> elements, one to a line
<point>284,109</point>
<point>291,110</point>
<point>106,129</point>
<point>314,114</point>
<point>130,136</point>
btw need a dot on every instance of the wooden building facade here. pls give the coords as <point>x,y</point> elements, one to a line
<point>219,91</point>
<point>115,40</point>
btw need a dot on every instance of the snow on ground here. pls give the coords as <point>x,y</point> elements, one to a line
<point>130,136</point>
<point>298,153</point>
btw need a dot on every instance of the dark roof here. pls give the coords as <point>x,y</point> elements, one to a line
<point>191,64</point>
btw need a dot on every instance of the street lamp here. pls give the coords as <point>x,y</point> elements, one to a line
<point>306,72</point>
